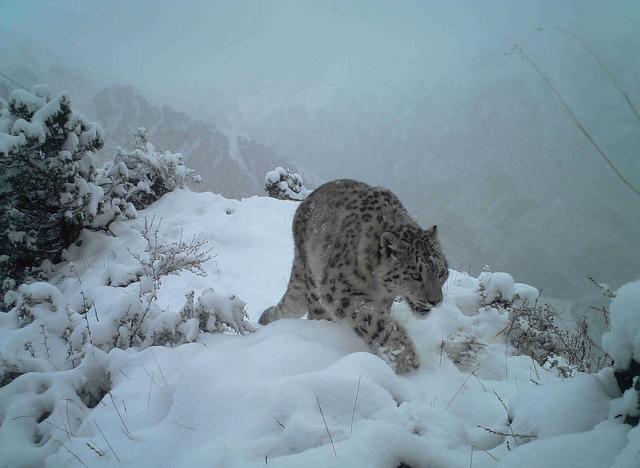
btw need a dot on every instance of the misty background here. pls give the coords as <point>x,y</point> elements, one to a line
<point>430,99</point>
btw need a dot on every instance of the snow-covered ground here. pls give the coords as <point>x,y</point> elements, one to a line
<point>295,393</point>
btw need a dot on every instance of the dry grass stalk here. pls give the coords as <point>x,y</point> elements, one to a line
<point>326,426</point>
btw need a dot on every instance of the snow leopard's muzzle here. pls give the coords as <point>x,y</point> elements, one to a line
<point>422,308</point>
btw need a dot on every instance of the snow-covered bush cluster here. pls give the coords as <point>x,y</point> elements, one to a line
<point>285,185</point>
<point>137,178</point>
<point>53,366</point>
<point>535,329</point>
<point>40,332</point>
<point>48,189</point>
<point>140,322</point>
<point>538,332</point>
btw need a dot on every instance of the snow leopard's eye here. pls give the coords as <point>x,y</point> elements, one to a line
<point>416,276</point>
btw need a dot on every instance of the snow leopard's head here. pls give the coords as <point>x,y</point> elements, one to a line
<point>414,266</point>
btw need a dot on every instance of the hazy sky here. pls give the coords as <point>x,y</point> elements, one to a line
<point>253,50</point>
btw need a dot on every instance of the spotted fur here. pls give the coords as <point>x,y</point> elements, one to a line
<point>356,250</point>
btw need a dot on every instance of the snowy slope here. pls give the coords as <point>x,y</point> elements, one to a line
<point>297,392</point>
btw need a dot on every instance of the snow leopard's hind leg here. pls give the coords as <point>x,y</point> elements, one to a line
<point>294,302</point>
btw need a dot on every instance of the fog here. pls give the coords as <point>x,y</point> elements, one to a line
<point>194,53</point>
<point>427,98</point>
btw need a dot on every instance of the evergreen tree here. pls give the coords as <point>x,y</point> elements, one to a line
<point>47,189</point>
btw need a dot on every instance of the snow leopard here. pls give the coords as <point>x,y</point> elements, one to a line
<point>356,250</point>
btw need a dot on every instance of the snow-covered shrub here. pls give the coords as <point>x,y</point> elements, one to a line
<point>284,185</point>
<point>495,288</point>
<point>217,313</point>
<point>142,323</point>
<point>172,328</point>
<point>211,312</point>
<point>137,178</point>
<point>622,343</point>
<point>47,180</point>
<point>35,332</point>
<point>534,330</point>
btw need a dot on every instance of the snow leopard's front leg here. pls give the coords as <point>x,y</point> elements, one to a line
<point>394,346</point>
<point>386,337</point>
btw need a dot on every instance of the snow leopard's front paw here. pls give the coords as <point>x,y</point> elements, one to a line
<point>401,357</point>
<point>269,315</point>
<point>406,361</point>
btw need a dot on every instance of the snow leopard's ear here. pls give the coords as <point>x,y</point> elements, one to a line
<point>389,244</point>
<point>433,231</point>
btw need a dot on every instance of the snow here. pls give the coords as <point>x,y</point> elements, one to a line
<point>9,142</point>
<point>630,455</point>
<point>262,398</point>
<point>51,108</point>
<point>42,90</point>
<point>593,449</point>
<point>223,311</point>
<point>622,342</point>
<point>533,412</point>
<point>525,294</point>
<point>497,285</point>
<point>627,404</point>
<point>32,131</point>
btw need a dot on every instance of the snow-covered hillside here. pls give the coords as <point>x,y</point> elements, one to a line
<point>296,392</point>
